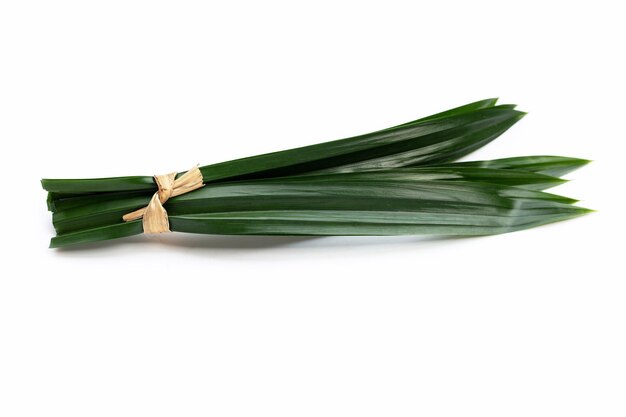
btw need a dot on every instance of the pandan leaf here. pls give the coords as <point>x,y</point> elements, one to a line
<point>440,138</point>
<point>338,207</point>
<point>541,164</point>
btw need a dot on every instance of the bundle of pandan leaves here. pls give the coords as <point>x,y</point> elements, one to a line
<point>397,181</point>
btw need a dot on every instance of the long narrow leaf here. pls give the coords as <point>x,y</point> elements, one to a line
<point>102,210</point>
<point>519,178</point>
<point>446,202</point>
<point>541,164</point>
<point>438,139</point>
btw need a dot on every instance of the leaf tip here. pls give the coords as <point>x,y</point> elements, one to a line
<point>581,211</point>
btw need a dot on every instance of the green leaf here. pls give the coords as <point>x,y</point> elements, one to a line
<point>431,141</point>
<point>442,138</point>
<point>525,179</point>
<point>394,181</point>
<point>97,234</point>
<point>431,207</point>
<point>520,178</point>
<point>439,147</point>
<point>482,104</point>
<point>541,164</point>
<point>99,210</point>
<point>332,222</point>
<point>327,222</point>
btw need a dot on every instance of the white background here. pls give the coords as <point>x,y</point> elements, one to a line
<point>530,323</point>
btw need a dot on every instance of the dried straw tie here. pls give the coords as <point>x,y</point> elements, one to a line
<point>154,215</point>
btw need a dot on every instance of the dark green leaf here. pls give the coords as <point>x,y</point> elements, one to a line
<point>442,138</point>
<point>541,164</point>
<point>491,208</point>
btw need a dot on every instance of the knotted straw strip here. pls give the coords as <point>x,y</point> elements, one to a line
<point>154,215</point>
